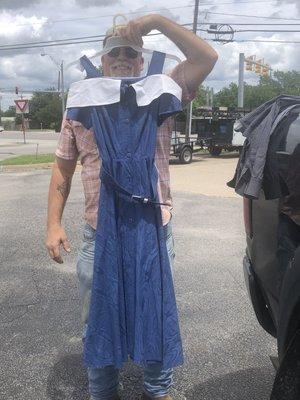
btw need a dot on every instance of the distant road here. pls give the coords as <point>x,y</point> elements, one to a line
<point>30,135</point>
<point>12,143</point>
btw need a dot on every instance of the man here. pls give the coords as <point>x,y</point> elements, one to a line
<point>75,141</point>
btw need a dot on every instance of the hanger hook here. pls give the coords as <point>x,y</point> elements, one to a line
<point>114,21</point>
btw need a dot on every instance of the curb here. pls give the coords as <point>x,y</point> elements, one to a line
<point>30,167</point>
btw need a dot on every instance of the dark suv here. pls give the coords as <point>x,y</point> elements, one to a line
<point>272,262</point>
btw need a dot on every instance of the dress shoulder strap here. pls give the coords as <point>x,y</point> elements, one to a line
<point>89,67</point>
<point>157,63</point>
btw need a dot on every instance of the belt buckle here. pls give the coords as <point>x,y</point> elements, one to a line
<point>140,199</point>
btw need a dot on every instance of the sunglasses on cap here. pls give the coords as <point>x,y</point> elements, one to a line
<point>129,52</point>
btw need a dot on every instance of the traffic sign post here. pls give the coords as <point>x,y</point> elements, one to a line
<point>259,67</point>
<point>22,107</point>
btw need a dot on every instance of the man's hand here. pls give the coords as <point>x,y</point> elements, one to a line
<point>138,27</point>
<point>56,236</point>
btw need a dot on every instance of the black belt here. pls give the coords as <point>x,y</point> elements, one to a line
<point>107,178</point>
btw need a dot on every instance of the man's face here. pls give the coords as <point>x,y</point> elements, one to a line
<point>122,61</point>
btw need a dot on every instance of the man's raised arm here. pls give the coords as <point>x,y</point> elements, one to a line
<point>200,56</point>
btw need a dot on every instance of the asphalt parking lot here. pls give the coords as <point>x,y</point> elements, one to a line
<point>226,352</point>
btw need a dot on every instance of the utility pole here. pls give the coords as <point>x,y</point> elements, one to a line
<point>62,87</point>
<point>241,80</point>
<point>189,111</point>
<point>60,80</point>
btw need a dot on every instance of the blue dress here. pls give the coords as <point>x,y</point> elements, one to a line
<point>133,309</point>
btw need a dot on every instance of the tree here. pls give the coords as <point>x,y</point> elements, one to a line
<point>45,109</point>
<point>289,81</point>
<point>10,112</point>
<point>200,99</point>
<point>267,88</point>
<point>227,97</point>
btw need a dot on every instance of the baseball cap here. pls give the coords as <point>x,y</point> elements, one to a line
<point>112,39</point>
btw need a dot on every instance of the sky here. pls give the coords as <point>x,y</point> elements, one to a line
<point>23,21</point>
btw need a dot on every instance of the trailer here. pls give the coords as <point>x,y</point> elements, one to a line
<point>213,130</point>
<point>183,149</point>
<point>214,127</point>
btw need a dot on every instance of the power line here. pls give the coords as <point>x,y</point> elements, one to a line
<point>102,16</point>
<point>99,39</point>
<point>264,41</point>
<point>141,12</point>
<point>61,42</point>
<point>252,41</point>
<point>246,30</point>
<point>17,46</point>
<point>249,16</point>
<point>245,23</point>
<point>49,41</point>
<point>264,30</point>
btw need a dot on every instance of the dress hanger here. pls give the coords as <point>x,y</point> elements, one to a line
<point>114,40</point>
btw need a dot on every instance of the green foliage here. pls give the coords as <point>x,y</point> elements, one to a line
<point>200,99</point>
<point>227,97</point>
<point>11,112</point>
<point>288,81</point>
<point>45,109</point>
<point>267,88</point>
<point>18,120</point>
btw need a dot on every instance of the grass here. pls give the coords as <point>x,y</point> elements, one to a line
<point>29,159</point>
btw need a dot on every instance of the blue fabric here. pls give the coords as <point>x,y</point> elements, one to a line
<point>156,63</point>
<point>104,382</point>
<point>133,308</point>
<point>91,70</point>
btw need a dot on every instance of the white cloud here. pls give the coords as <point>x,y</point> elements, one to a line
<point>39,21</point>
<point>286,3</point>
<point>17,4</point>
<point>17,26</point>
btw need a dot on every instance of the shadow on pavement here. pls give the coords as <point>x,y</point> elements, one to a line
<point>249,384</point>
<point>67,379</point>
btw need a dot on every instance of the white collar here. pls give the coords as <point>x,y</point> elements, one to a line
<point>104,90</point>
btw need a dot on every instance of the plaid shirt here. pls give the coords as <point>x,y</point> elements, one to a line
<point>76,141</point>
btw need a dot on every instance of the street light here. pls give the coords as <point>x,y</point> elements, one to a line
<point>61,80</point>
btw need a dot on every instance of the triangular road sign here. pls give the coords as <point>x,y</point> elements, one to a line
<point>22,105</point>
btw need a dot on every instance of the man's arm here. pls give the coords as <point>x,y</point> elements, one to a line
<point>60,185</point>
<point>200,56</point>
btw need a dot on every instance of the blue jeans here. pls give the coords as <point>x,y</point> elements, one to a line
<point>104,382</point>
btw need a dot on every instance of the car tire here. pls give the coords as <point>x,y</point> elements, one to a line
<point>215,151</point>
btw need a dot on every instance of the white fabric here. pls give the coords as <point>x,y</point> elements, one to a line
<point>94,92</point>
<point>154,86</point>
<point>103,91</point>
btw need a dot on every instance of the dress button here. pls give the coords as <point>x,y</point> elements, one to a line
<point>130,220</point>
<point>127,120</point>
<point>128,154</point>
